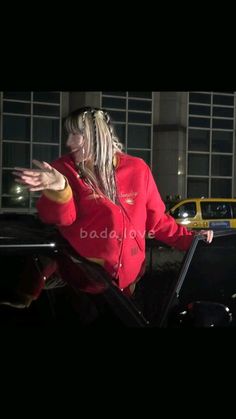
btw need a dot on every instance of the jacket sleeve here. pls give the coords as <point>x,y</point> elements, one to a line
<point>57,207</point>
<point>161,225</point>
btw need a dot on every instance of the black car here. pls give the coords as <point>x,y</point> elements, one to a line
<point>201,292</point>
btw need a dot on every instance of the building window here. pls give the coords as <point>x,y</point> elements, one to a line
<point>30,129</point>
<point>210,144</point>
<point>132,117</point>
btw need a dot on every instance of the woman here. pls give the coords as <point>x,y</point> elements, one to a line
<point>103,201</point>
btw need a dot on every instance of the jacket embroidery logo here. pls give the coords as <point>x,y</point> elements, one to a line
<point>129,197</point>
<point>129,201</point>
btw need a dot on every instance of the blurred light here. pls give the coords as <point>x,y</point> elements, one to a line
<point>19,193</point>
<point>185,222</point>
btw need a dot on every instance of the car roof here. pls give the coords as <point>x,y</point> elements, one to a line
<point>209,199</point>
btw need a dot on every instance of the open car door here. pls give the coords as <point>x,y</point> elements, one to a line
<point>31,254</point>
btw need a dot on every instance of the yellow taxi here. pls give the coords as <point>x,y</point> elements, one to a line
<point>200,213</point>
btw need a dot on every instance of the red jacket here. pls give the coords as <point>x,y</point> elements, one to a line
<point>107,233</point>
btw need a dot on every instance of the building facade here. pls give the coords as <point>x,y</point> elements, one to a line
<point>187,138</point>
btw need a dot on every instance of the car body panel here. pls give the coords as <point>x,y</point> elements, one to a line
<point>204,213</point>
<point>205,280</point>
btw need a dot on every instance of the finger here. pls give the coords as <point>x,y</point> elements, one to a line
<point>33,178</point>
<point>42,165</point>
<point>28,172</point>
<point>38,163</point>
<point>20,169</point>
<point>38,188</point>
<point>47,165</point>
<point>41,186</point>
<point>18,180</point>
<point>29,181</point>
<point>204,234</point>
<point>27,185</point>
<point>211,235</point>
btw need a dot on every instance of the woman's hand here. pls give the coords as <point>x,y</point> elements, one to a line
<point>208,233</point>
<point>46,177</point>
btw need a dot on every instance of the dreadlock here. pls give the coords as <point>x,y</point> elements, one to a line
<point>102,144</point>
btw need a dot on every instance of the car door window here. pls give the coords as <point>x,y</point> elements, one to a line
<point>187,210</point>
<point>233,206</point>
<point>215,210</point>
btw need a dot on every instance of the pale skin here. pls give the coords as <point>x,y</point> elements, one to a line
<point>46,177</point>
